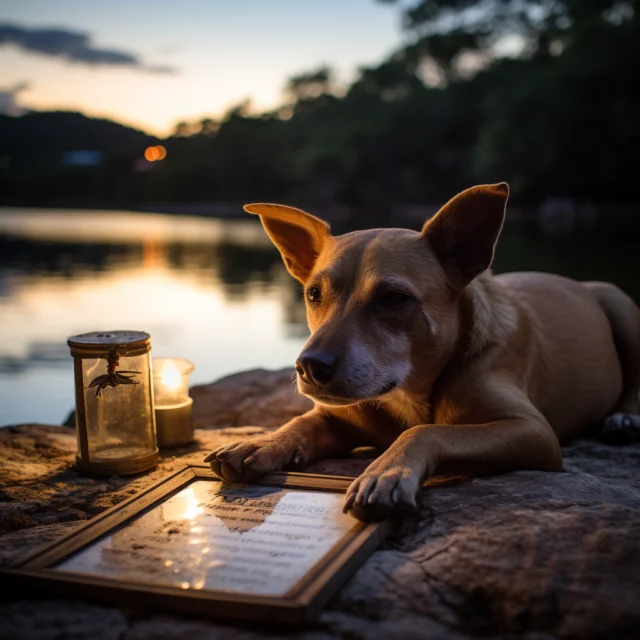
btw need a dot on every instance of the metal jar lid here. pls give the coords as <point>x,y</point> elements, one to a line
<point>98,343</point>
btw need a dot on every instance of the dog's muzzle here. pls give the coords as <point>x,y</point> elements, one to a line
<point>317,368</point>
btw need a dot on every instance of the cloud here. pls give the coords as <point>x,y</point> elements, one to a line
<point>73,46</point>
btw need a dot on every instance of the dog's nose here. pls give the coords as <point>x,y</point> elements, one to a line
<point>318,368</point>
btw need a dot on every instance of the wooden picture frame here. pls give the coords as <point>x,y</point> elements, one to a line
<point>37,575</point>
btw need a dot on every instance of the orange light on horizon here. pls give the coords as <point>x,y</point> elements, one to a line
<point>151,154</point>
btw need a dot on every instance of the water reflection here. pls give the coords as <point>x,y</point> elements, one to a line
<point>213,292</point>
<point>601,254</point>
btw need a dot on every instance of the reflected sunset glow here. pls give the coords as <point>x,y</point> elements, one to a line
<point>175,278</point>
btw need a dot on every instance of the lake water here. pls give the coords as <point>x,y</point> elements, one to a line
<point>212,291</point>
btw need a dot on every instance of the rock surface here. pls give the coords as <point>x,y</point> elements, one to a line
<point>259,396</point>
<point>527,554</point>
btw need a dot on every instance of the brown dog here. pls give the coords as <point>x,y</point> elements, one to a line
<point>416,348</point>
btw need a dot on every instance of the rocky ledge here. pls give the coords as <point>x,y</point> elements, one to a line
<point>525,554</point>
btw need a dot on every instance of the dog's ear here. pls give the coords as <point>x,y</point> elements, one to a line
<point>464,232</point>
<point>298,235</point>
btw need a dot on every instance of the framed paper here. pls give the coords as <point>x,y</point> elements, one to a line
<point>272,551</point>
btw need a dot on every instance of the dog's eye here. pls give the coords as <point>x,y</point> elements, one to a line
<point>392,299</point>
<point>314,294</point>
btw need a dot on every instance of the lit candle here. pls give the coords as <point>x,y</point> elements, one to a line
<point>173,406</point>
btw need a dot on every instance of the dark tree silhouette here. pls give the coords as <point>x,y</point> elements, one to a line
<point>556,118</point>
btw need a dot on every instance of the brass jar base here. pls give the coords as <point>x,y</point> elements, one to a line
<point>174,424</point>
<point>108,468</point>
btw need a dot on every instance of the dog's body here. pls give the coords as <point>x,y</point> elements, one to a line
<point>416,348</point>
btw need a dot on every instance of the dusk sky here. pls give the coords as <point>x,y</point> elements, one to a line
<point>152,64</point>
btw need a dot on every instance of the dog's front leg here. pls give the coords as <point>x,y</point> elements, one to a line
<point>314,435</point>
<point>391,482</point>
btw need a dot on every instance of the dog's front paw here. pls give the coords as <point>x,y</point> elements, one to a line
<point>248,460</point>
<point>382,492</point>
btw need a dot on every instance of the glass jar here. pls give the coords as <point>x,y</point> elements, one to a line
<point>115,421</point>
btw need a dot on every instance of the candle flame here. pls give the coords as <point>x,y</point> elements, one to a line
<point>170,376</point>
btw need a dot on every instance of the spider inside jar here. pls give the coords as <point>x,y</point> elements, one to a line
<point>113,378</point>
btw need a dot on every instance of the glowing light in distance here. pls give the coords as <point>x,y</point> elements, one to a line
<point>154,154</point>
<point>151,154</point>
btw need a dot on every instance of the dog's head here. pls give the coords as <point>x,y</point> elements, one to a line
<point>381,304</point>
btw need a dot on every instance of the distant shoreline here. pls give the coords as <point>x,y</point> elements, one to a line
<point>555,216</point>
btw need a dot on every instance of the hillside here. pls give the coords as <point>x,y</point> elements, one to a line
<point>66,130</point>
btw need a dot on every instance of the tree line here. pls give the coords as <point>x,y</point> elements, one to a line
<point>556,117</point>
